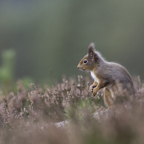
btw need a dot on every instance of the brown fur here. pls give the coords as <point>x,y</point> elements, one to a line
<point>109,75</point>
<point>108,97</point>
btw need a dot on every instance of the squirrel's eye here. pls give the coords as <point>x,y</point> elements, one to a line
<point>85,61</point>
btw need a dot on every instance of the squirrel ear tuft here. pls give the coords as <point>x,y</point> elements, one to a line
<point>91,45</point>
<point>91,50</point>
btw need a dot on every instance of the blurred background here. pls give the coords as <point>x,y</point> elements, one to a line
<point>43,40</point>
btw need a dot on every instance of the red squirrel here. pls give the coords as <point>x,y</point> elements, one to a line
<point>113,77</point>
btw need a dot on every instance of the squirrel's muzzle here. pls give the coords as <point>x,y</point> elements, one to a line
<point>78,66</point>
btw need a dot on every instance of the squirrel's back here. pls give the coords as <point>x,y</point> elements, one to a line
<point>113,71</point>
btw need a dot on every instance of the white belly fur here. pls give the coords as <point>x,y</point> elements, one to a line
<point>94,77</point>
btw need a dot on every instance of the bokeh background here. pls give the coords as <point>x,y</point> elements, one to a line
<point>50,37</point>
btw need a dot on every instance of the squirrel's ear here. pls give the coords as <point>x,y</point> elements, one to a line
<point>91,50</point>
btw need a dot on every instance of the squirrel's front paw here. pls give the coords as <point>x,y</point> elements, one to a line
<point>92,88</point>
<point>94,92</point>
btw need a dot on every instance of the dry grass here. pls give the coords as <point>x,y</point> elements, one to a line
<point>27,117</point>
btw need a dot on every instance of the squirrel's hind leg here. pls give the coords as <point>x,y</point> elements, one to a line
<point>108,100</point>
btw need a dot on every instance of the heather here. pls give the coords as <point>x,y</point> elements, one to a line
<point>29,115</point>
<point>48,103</point>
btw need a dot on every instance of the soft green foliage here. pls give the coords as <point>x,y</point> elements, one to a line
<point>26,81</point>
<point>7,70</point>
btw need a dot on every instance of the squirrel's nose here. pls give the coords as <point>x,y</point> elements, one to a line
<point>78,67</point>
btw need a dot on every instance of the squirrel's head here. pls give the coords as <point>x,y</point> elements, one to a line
<point>89,61</point>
